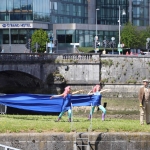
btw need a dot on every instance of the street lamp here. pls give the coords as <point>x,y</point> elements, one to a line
<point>112,44</point>
<point>96,37</point>
<point>51,41</point>
<point>147,44</point>
<point>9,35</point>
<point>123,13</point>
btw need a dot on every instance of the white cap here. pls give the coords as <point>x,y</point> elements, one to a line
<point>145,80</point>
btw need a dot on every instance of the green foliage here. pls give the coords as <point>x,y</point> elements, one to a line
<point>91,49</point>
<point>55,77</point>
<point>134,38</point>
<point>130,36</point>
<point>85,49</point>
<point>144,34</point>
<point>117,119</point>
<point>104,80</point>
<point>108,62</point>
<point>41,37</point>
<point>34,124</point>
<point>131,63</point>
<point>131,81</point>
<point>148,63</point>
<point>113,80</point>
<point>117,64</point>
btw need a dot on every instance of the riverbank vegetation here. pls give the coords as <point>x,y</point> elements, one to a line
<point>122,116</point>
<point>40,124</point>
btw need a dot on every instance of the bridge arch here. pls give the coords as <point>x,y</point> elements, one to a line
<point>33,69</point>
<point>13,81</point>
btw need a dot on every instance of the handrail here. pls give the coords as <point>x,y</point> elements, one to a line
<point>7,147</point>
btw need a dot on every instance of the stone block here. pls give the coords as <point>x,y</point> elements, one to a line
<point>119,145</point>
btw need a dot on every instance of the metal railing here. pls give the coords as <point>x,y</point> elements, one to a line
<point>79,141</point>
<point>4,147</point>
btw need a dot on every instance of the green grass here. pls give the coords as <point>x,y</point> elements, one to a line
<point>91,49</point>
<point>122,116</point>
<point>34,123</point>
<point>85,49</point>
<point>122,104</point>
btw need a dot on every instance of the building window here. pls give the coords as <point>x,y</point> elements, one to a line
<point>61,38</point>
<point>5,36</point>
<point>109,11</point>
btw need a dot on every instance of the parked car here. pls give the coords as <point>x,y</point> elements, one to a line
<point>146,53</point>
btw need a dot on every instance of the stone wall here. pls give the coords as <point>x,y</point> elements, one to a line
<point>124,70</point>
<point>122,74</point>
<point>67,141</point>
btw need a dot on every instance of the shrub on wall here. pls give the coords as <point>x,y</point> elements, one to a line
<point>131,81</point>
<point>108,62</point>
<point>55,77</point>
<point>104,80</point>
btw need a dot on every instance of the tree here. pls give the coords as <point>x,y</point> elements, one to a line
<point>144,34</point>
<point>130,36</point>
<point>41,37</point>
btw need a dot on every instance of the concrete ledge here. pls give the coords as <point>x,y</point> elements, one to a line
<point>66,141</point>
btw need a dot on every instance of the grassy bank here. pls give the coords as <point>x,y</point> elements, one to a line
<point>122,116</point>
<point>28,123</point>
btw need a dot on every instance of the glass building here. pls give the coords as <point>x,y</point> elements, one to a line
<point>140,12</point>
<point>109,11</point>
<point>70,21</point>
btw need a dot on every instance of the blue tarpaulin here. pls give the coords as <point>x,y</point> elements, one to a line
<point>43,103</point>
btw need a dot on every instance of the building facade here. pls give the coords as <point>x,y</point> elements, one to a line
<point>69,21</point>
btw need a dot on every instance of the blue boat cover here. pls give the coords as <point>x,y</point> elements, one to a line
<point>43,103</point>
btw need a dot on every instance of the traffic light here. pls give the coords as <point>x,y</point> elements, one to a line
<point>97,44</point>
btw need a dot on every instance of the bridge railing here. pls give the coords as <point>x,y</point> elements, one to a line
<point>80,57</point>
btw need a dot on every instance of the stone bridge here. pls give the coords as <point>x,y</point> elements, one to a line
<point>123,74</point>
<point>40,65</point>
<point>39,68</point>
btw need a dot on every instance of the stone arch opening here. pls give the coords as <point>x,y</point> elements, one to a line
<point>19,82</point>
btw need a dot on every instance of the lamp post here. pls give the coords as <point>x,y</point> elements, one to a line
<point>147,44</point>
<point>112,44</point>
<point>9,35</point>
<point>123,13</point>
<point>96,38</point>
<point>51,41</point>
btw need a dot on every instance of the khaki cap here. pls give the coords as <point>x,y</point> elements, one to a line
<point>145,80</point>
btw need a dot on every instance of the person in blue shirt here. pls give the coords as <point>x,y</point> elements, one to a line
<point>97,101</point>
<point>66,102</point>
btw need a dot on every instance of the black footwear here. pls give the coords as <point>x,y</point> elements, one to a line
<point>69,120</point>
<point>148,123</point>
